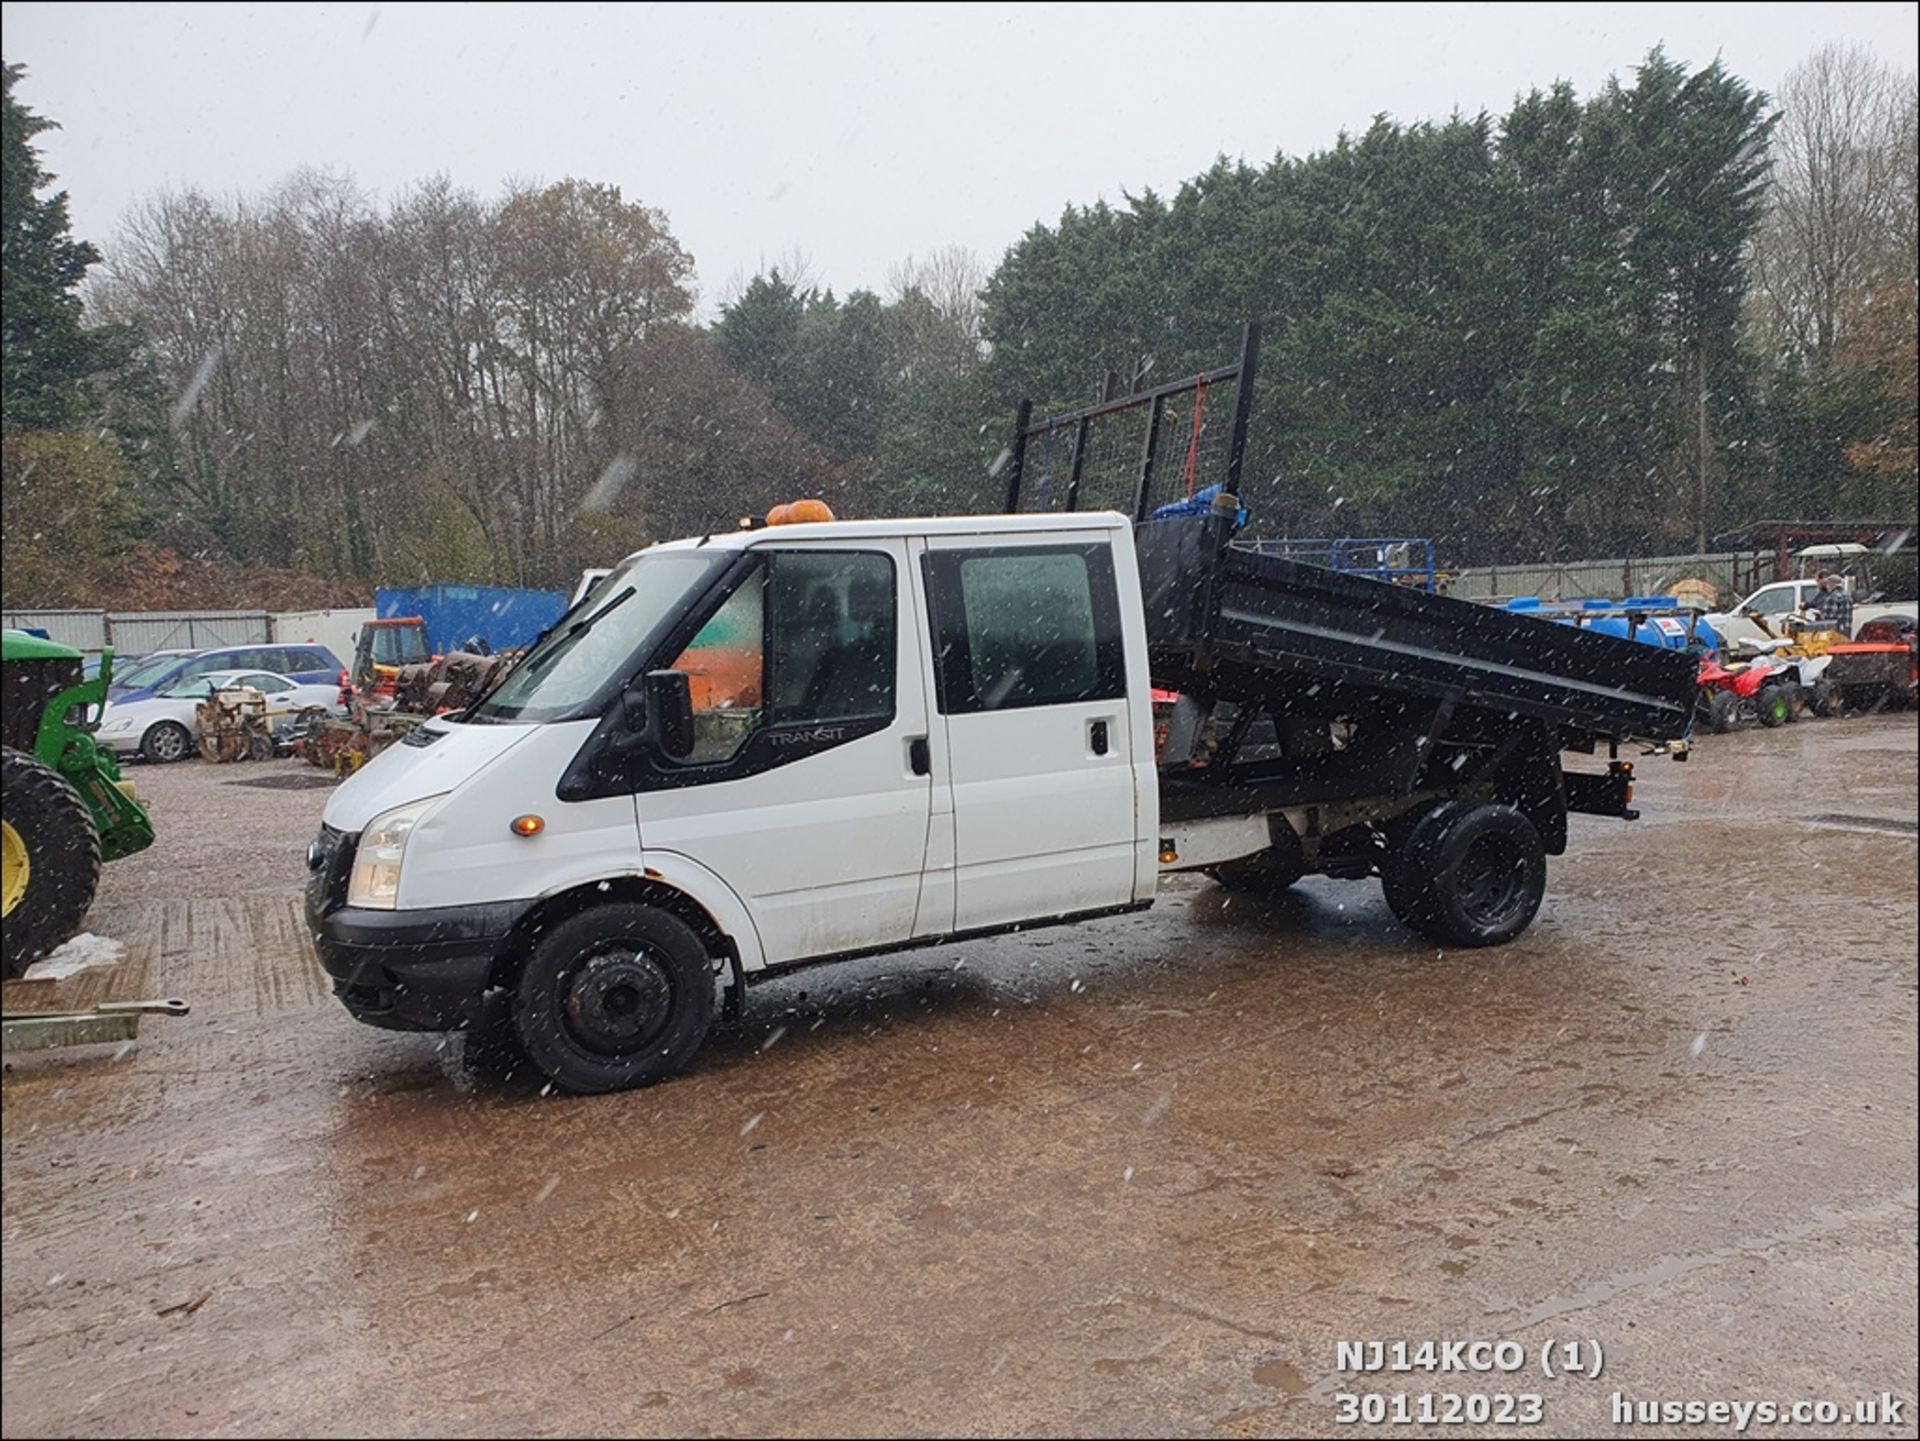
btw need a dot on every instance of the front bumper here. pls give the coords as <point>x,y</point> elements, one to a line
<point>414,970</point>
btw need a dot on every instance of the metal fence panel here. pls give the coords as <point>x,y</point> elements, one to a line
<point>1732,573</point>
<point>84,630</point>
<point>136,633</point>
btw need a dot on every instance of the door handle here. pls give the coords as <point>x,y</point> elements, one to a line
<point>1097,737</point>
<point>919,757</point>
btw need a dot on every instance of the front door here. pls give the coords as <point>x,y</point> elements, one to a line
<point>1030,671</point>
<point>807,790</point>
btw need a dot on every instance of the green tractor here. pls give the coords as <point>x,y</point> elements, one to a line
<point>65,807</point>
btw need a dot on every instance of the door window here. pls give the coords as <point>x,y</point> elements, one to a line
<point>725,666</point>
<point>1025,626</point>
<point>807,639</point>
<point>204,664</point>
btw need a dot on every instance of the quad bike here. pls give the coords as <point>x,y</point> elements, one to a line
<point>1764,690</point>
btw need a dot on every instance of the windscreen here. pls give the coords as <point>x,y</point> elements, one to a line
<point>144,671</point>
<point>566,671</point>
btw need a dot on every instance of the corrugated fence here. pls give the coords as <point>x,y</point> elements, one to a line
<point>138,633</point>
<point>1734,573</point>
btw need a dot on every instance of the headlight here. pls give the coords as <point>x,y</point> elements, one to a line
<point>376,864</point>
<point>117,727</point>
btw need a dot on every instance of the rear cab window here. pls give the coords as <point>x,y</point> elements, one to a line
<point>1018,626</point>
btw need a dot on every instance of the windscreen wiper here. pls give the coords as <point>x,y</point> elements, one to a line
<point>578,628</point>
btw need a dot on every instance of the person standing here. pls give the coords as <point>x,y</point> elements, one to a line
<point>1833,607</point>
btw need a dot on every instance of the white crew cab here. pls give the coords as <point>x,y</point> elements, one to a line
<point>778,746</point>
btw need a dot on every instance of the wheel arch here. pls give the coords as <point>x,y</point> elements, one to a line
<point>651,889</point>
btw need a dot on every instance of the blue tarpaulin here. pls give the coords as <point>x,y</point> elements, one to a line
<point>502,616</point>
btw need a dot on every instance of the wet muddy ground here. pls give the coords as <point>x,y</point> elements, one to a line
<point>1138,1176</point>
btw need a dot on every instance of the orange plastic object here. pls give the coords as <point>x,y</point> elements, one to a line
<point>722,678</point>
<point>808,512</point>
<point>778,515</point>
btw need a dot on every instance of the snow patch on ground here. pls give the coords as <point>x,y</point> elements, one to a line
<point>84,951</point>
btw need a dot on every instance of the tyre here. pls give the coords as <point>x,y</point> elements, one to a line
<point>1723,712</point>
<point>1403,878</point>
<point>1470,876</point>
<point>1824,699</point>
<point>51,855</point>
<point>618,996</point>
<point>166,741</point>
<point>1774,704</point>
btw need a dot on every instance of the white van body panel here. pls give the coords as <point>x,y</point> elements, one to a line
<point>402,774</point>
<point>463,850</point>
<point>714,896</point>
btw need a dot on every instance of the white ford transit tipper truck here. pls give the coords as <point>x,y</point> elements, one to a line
<point>778,746</point>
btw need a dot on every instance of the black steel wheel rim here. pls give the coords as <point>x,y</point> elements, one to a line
<point>617,999</point>
<point>1491,881</point>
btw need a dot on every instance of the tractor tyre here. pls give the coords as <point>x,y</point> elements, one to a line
<point>52,860</point>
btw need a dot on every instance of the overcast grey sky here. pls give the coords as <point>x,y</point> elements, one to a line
<point>858,134</point>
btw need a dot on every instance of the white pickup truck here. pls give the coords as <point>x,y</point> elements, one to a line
<point>1777,605</point>
<point>772,747</point>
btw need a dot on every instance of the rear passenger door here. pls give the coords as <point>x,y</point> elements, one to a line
<point>1031,687</point>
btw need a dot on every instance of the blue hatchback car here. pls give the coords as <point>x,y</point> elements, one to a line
<point>307,663</point>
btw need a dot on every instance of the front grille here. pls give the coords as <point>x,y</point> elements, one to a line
<point>329,867</point>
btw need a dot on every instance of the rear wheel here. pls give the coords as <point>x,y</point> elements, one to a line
<point>49,861</point>
<point>618,996</point>
<point>1775,705</point>
<point>1468,875</point>
<point>166,741</point>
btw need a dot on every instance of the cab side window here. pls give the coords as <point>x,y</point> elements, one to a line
<point>806,639</point>
<point>725,666</point>
<point>833,643</point>
<point>1025,626</point>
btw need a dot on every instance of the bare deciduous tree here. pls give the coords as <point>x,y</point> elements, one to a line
<point>1843,199</point>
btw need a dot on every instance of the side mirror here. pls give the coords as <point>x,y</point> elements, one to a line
<point>670,712</point>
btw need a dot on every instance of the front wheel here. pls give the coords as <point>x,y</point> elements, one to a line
<point>1468,875</point>
<point>615,997</point>
<point>1723,712</point>
<point>166,741</point>
<point>1824,701</point>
